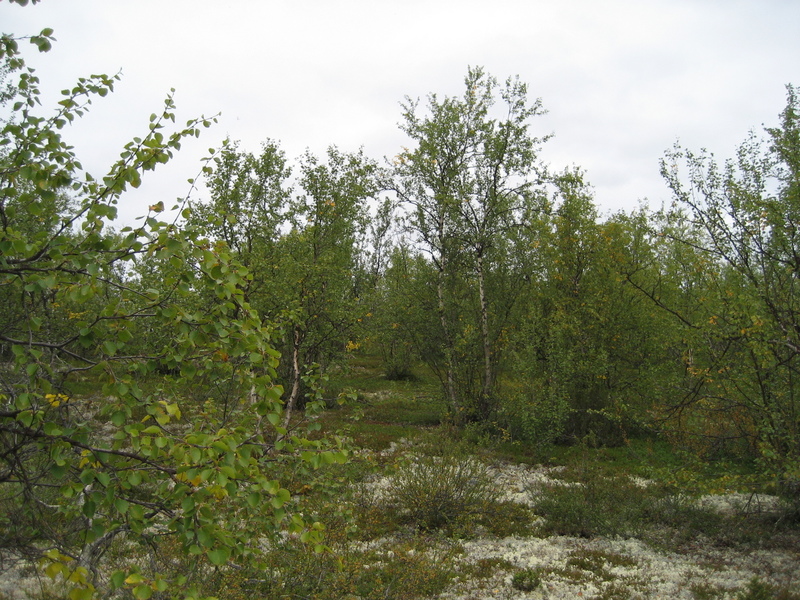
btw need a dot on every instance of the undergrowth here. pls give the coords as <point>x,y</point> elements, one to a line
<point>441,489</point>
<point>398,513</point>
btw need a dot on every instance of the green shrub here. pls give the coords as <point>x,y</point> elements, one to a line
<point>600,503</point>
<point>399,370</point>
<point>682,520</point>
<point>760,590</point>
<point>485,568</point>
<point>594,505</point>
<point>756,590</point>
<point>437,491</point>
<point>292,570</point>
<point>705,591</point>
<point>397,575</point>
<point>532,418</point>
<point>526,580</point>
<point>506,519</point>
<point>789,491</point>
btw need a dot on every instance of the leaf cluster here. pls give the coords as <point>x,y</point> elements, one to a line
<point>137,461</point>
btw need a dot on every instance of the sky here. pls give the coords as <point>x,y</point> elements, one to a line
<point>622,80</point>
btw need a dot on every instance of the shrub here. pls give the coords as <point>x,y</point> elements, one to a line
<point>535,419</point>
<point>756,590</point>
<point>506,519</point>
<point>789,491</point>
<point>526,580</point>
<point>594,505</point>
<point>400,574</point>
<point>437,491</point>
<point>599,503</point>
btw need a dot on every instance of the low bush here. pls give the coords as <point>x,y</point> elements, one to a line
<point>594,505</point>
<point>505,519</point>
<point>435,491</point>
<point>526,580</point>
<point>789,491</point>
<point>293,570</point>
<point>758,590</point>
<point>594,502</point>
<point>399,574</point>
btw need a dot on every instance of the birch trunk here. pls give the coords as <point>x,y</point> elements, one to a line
<point>291,402</point>
<point>487,344</point>
<point>450,366</point>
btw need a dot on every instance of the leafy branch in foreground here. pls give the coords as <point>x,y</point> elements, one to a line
<point>136,462</point>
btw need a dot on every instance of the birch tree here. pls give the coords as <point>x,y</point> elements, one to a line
<point>468,178</point>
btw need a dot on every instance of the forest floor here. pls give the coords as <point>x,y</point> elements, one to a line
<point>638,521</point>
<point>697,559</point>
<point>423,510</point>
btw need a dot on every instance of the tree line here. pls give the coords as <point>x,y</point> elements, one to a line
<point>541,319</point>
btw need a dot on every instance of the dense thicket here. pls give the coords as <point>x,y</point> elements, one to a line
<point>543,320</point>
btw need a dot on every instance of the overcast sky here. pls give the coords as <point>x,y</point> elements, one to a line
<point>622,79</point>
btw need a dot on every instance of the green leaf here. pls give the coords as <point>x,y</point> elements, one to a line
<point>52,429</point>
<point>86,477</point>
<point>281,498</point>
<point>117,579</point>
<point>204,537</point>
<point>254,499</point>
<point>82,593</point>
<point>89,507</point>
<point>136,512</point>
<point>142,592</point>
<point>25,417</point>
<point>219,556</point>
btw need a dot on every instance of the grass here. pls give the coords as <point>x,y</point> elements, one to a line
<point>385,411</point>
<point>415,411</point>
